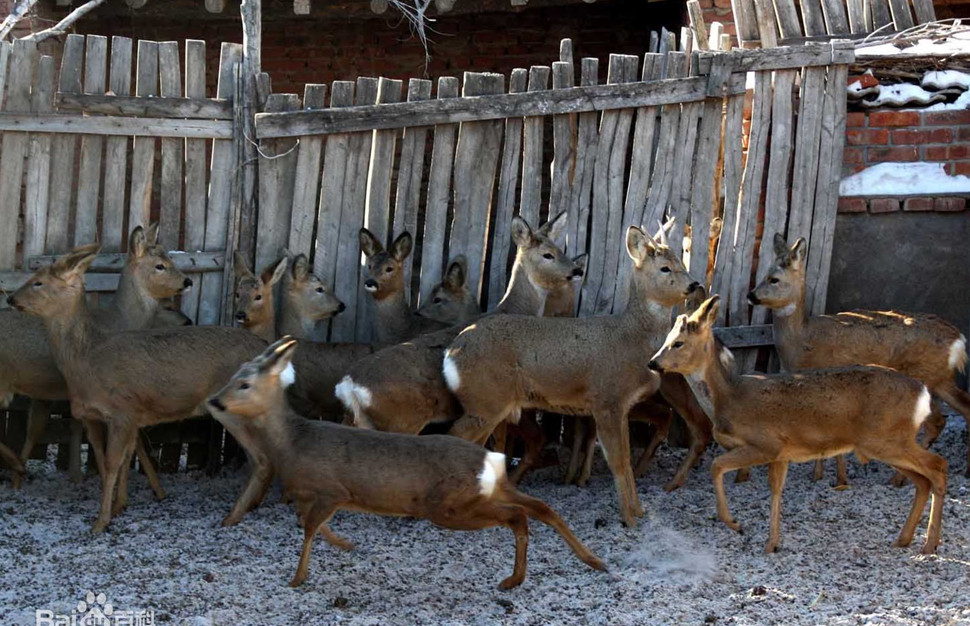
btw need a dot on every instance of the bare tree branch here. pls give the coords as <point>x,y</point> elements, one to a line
<point>61,27</point>
<point>19,11</point>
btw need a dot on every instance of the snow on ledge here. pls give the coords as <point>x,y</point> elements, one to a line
<point>903,179</point>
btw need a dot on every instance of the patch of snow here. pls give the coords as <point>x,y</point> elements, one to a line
<point>956,43</point>
<point>902,94</point>
<point>960,104</point>
<point>946,79</point>
<point>898,179</point>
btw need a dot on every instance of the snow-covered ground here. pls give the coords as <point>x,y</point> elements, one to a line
<point>679,566</point>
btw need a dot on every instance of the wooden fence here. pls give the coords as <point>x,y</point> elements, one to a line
<point>452,165</point>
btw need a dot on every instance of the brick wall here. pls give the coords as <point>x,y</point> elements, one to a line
<point>720,11</point>
<point>906,136</point>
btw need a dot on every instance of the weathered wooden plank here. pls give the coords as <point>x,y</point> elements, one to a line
<point>778,187</point>
<point>615,186</point>
<point>532,149</point>
<point>130,106</point>
<point>170,213</point>
<point>746,336</point>
<point>439,193</point>
<point>5,49</point>
<point>221,174</point>
<point>696,16</point>
<point>337,240</point>
<point>813,19</point>
<point>805,165</point>
<point>641,163</point>
<point>191,262</point>
<point>92,146</point>
<point>62,153</point>
<point>377,209</point>
<point>409,173</point>
<point>307,180</point>
<point>826,190</point>
<point>23,61</point>
<point>195,179</point>
<point>143,153</point>
<point>476,160</point>
<point>117,126</point>
<point>564,151</point>
<point>586,147</point>
<point>902,16</point>
<point>38,163</point>
<point>751,183</point>
<point>505,198</point>
<point>346,325</point>
<point>792,57</point>
<point>277,160</point>
<point>727,249</point>
<point>745,20</point>
<point>879,10</point>
<point>683,157</point>
<point>788,23</point>
<point>836,21</point>
<point>924,11</point>
<point>857,17</point>
<point>116,152</point>
<point>574,100</point>
<point>767,23</point>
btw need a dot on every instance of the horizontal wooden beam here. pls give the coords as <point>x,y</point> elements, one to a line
<point>788,57</point>
<point>746,336</point>
<point>182,108</point>
<point>467,109</point>
<point>114,262</point>
<point>116,126</point>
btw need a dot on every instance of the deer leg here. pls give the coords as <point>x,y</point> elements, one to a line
<point>660,430</point>
<point>94,430</point>
<point>534,439</point>
<point>700,435</point>
<point>148,465</point>
<point>313,521</point>
<point>473,428</point>
<point>500,438</point>
<point>121,438</point>
<point>933,469</point>
<point>121,489</point>
<point>819,471</point>
<point>841,473</point>
<point>922,485</point>
<point>74,453</point>
<point>334,539</point>
<point>260,479</point>
<point>575,460</point>
<point>11,459</point>
<point>37,418</point>
<point>777,472</point>
<point>588,451</point>
<point>741,457</point>
<point>614,434</point>
<point>517,520</point>
<point>959,400</point>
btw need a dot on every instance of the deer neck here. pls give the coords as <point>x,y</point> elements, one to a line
<point>522,297</point>
<point>296,325</point>
<point>716,378</point>
<point>646,313</point>
<point>393,316</point>
<point>132,302</point>
<point>72,332</point>
<point>789,326</point>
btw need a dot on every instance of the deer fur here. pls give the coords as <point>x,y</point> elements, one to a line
<point>402,389</point>
<point>773,420</point>
<point>922,346</point>
<point>450,301</point>
<point>328,467</point>
<point>307,301</point>
<point>27,366</point>
<point>128,379</point>
<point>581,366</point>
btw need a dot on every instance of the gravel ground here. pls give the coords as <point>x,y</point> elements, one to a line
<point>679,566</point>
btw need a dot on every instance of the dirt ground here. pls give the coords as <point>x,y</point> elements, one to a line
<point>680,566</point>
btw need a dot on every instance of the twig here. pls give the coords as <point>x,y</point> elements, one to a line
<point>61,27</point>
<point>19,11</point>
<point>416,18</point>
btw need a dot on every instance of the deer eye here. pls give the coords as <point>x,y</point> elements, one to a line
<point>678,345</point>
<point>258,298</point>
<point>388,270</point>
<point>38,284</point>
<point>437,300</point>
<point>548,255</point>
<point>664,270</point>
<point>319,289</point>
<point>160,267</point>
<point>244,386</point>
<point>773,280</point>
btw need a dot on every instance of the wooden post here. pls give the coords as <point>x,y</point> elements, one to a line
<point>252,13</point>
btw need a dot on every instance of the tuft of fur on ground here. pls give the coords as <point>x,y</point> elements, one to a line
<point>679,566</point>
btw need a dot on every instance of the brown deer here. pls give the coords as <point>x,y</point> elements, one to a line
<point>450,301</point>
<point>773,420</point>
<point>384,271</point>
<point>400,389</point>
<point>328,467</point>
<point>128,379</point>
<point>922,346</point>
<point>27,366</point>
<point>307,300</point>
<point>254,306</point>
<point>582,366</point>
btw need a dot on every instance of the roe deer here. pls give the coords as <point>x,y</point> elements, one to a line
<point>773,420</point>
<point>401,389</point>
<point>450,301</point>
<point>127,379</point>
<point>307,301</point>
<point>582,366</point>
<point>922,346</point>
<point>394,321</point>
<point>253,302</point>
<point>328,467</point>
<point>27,366</point>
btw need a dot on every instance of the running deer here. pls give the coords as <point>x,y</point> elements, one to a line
<point>328,467</point>
<point>394,321</point>
<point>128,379</point>
<point>401,389</point>
<point>27,366</point>
<point>773,420</point>
<point>582,366</point>
<point>922,346</point>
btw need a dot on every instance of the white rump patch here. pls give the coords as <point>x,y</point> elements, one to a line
<point>958,354</point>
<point>492,472</point>
<point>351,394</point>
<point>727,359</point>
<point>450,372</point>
<point>786,311</point>
<point>922,410</point>
<point>288,376</point>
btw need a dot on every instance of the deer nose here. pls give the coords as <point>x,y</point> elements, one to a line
<point>217,404</point>
<point>753,299</point>
<point>694,285</point>
<point>10,301</point>
<point>577,272</point>
<point>187,283</point>
<point>241,316</point>
<point>370,284</point>
<point>654,365</point>
<point>341,307</point>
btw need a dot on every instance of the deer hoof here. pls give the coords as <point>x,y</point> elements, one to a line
<point>511,582</point>
<point>928,549</point>
<point>734,525</point>
<point>772,547</point>
<point>841,487</point>
<point>229,520</point>
<point>673,485</point>
<point>99,527</point>
<point>297,581</point>
<point>902,542</point>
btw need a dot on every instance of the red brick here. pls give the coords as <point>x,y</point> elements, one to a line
<point>894,118</point>
<point>707,4</point>
<point>949,204</point>
<point>898,153</point>
<point>722,4</point>
<point>855,119</point>
<point>921,136</point>
<point>721,13</point>
<point>936,153</point>
<point>883,205</point>
<point>918,204</point>
<point>946,118</point>
<point>961,168</point>
<point>867,136</point>
<point>963,134</point>
<point>853,205</point>
<point>732,30</point>
<point>853,155</point>
<point>959,152</point>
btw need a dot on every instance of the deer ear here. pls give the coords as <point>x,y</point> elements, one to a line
<point>521,232</point>
<point>240,266</point>
<point>151,233</point>
<point>553,229</point>
<point>799,251</point>
<point>781,246</point>
<point>271,278</point>
<point>402,246</point>
<point>706,313</point>
<point>581,261</point>
<point>278,360</point>
<point>301,268</point>
<point>639,245</point>
<point>369,243</point>
<point>137,243</point>
<point>77,261</point>
<point>455,276</point>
